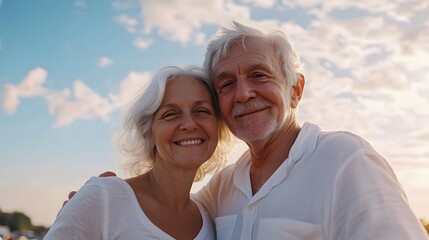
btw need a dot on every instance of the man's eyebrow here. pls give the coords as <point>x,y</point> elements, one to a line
<point>260,66</point>
<point>222,75</point>
<point>252,67</point>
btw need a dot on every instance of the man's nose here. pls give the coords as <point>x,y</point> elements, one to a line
<point>244,90</point>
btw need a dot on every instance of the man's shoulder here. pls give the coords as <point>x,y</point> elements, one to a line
<point>226,171</point>
<point>334,137</point>
<point>340,147</point>
<point>342,139</point>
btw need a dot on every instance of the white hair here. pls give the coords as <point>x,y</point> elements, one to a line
<point>219,46</point>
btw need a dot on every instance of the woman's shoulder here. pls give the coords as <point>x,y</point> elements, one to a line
<point>105,185</point>
<point>105,181</point>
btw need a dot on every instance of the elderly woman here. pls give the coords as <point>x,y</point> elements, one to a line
<point>169,136</point>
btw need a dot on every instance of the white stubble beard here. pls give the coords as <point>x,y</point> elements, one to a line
<point>256,129</point>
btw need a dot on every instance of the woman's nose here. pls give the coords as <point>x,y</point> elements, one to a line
<point>188,123</point>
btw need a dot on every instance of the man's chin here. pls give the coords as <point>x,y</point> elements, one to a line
<point>259,133</point>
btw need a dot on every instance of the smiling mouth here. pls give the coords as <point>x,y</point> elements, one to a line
<point>249,113</point>
<point>190,142</point>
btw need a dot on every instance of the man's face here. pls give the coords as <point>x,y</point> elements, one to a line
<point>251,89</point>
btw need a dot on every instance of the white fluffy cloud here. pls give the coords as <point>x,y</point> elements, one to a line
<point>398,10</point>
<point>129,87</point>
<point>379,75</point>
<point>30,86</point>
<point>142,43</point>
<point>129,23</point>
<point>182,21</point>
<point>261,3</point>
<point>78,103</point>
<point>104,62</point>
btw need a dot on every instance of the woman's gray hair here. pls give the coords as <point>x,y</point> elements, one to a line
<point>134,138</point>
<point>219,46</point>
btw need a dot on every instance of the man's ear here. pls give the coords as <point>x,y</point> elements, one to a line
<point>298,90</point>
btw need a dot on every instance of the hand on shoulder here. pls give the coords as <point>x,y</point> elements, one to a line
<point>72,193</point>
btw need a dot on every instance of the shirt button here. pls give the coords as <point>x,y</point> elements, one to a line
<point>251,208</point>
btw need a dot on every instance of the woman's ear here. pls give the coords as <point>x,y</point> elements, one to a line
<point>298,90</point>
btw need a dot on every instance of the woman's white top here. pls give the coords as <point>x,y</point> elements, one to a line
<point>106,208</point>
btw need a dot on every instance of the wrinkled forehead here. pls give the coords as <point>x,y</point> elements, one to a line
<point>247,52</point>
<point>242,45</point>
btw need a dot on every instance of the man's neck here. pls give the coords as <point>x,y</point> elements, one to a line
<point>268,157</point>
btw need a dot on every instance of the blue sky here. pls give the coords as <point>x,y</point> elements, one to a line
<point>68,67</point>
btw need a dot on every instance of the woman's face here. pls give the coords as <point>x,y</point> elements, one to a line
<point>185,127</point>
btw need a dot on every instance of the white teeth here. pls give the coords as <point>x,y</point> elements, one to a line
<point>190,142</point>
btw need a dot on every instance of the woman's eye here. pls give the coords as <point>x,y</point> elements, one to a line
<point>203,111</point>
<point>168,115</point>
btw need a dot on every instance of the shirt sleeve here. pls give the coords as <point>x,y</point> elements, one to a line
<point>206,196</point>
<point>369,203</point>
<point>82,217</point>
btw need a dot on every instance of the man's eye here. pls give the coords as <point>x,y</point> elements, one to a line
<point>225,86</point>
<point>258,75</point>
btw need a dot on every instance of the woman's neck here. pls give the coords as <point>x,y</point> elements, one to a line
<point>164,198</point>
<point>172,188</point>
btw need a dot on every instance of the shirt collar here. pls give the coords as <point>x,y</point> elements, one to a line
<point>305,142</point>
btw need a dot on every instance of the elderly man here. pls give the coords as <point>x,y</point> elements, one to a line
<point>294,182</point>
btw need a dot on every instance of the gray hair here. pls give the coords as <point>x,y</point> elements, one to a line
<point>134,138</point>
<point>219,46</point>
